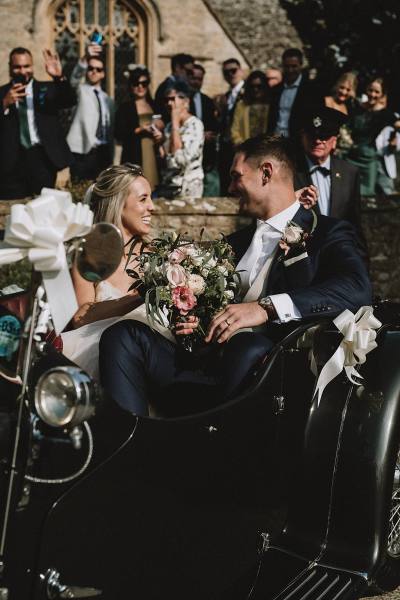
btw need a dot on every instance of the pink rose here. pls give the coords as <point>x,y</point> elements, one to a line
<point>176,275</point>
<point>177,255</point>
<point>184,299</point>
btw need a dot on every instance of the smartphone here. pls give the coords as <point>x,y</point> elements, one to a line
<point>154,119</point>
<point>19,79</point>
<point>96,38</point>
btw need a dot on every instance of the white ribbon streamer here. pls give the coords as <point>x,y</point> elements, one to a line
<point>37,230</point>
<point>359,335</point>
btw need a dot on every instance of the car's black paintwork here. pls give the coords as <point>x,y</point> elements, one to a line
<point>175,508</point>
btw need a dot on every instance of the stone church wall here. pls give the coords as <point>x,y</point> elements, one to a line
<point>188,26</point>
<point>219,215</point>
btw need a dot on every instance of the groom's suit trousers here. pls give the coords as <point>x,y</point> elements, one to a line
<point>137,364</point>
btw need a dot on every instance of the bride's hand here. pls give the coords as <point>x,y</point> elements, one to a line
<point>187,327</point>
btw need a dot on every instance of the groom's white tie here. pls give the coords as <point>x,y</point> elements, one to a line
<point>262,246</point>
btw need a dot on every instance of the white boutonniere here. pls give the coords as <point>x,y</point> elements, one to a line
<point>294,238</point>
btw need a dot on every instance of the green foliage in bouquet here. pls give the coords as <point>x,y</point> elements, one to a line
<point>180,278</point>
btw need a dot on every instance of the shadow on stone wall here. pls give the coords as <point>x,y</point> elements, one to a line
<point>220,215</point>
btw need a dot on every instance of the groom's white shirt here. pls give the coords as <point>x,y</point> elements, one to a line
<point>262,249</point>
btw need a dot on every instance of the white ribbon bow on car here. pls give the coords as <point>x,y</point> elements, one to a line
<point>37,230</point>
<point>359,335</point>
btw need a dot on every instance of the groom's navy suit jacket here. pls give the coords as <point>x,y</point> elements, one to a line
<point>330,279</point>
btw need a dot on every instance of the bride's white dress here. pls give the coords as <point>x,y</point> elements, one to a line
<point>82,345</point>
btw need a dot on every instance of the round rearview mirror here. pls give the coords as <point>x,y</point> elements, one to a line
<point>99,253</point>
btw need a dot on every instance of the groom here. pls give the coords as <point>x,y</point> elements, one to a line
<point>281,283</point>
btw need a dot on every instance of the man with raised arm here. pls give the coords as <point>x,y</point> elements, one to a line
<point>33,149</point>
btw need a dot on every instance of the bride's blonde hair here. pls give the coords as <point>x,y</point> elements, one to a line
<point>107,195</point>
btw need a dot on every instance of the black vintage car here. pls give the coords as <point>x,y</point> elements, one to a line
<point>271,496</point>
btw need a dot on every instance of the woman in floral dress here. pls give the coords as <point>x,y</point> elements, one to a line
<point>183,147</point>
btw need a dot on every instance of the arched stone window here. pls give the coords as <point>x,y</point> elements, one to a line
<point>124,28</point>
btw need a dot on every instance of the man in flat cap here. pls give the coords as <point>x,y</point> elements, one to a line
<point>337,181</point>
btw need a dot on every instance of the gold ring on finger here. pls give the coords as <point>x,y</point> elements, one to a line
<point>227,322</point>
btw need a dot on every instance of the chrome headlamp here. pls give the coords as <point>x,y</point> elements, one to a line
<point>65,396</point>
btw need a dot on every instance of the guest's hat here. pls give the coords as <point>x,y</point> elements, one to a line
<point>323,122</point>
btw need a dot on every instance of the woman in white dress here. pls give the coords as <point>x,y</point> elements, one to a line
<point>121,195</point>
<point>183,146</point>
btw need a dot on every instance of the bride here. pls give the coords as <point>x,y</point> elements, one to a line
<point>121,195</point>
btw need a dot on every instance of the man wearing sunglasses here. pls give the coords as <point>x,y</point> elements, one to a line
<point>233,75</point>
<point>91,133</point>
<point>337,181</point>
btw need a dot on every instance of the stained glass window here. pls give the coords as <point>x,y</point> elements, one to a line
<point>122,28</point>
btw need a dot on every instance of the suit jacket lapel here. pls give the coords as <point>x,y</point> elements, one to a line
<point>336,197</point>
<point>277,277</point>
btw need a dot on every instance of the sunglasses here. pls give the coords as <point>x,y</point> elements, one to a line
<point>143,83</point>
<point>96,69</point>
<point>256,86</point>
<point>169,99</point>
<point>230,71</point>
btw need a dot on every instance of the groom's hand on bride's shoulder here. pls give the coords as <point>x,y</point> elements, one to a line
<point>187,327</point>
<point>234,317</point>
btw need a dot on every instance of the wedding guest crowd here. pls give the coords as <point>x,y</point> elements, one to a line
<point>183,139</point>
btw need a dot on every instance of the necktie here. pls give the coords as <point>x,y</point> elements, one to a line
<point>262,245</point>
<point>24,135</point>
<point>100,129</point>
<point>321,169</point>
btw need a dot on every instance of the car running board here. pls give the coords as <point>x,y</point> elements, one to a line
<point>282,576</point>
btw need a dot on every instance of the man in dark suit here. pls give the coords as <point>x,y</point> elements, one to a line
<point>203,107</point>
<point>321,278</point>
<point>337,181</point>
<point>33,149</point>
<point>292,97</point>
<point>233,75</point>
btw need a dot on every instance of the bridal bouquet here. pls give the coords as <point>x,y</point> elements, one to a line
<point>180,278</point>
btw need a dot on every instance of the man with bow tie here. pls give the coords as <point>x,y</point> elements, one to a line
<point>282,283</point>
<point>337,181</point>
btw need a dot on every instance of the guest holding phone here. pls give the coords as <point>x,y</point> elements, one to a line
<point>138,128</point>
<point>91,133</point>
<point>33,150</point>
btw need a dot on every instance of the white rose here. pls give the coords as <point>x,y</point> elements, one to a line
<point>191,250</point>
<point>196,283</point>
<point>205,272</point>
<point>292,234</point>
<point>176,275</point>
<point>229,294</point>
<point>197,260</point>
<point>223,270</point>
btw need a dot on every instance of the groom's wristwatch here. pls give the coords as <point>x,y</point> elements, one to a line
<point>268,306</point>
